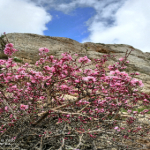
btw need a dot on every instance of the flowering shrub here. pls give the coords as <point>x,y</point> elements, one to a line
<point>34,104</point>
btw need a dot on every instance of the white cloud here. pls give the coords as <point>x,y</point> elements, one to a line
<point>130,25</point>
<point>22,16</point>
<point>67,6</point>
<point>115,21</point>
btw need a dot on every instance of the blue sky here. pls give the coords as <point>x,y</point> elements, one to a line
<point>98,21</point>
<point>71,25</point>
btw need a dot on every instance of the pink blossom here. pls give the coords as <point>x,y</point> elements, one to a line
<point>145,100</point>
<point>47,68</point>
<point>116,127</point>
<point>145,110</point>
<point>53,69</point>
<point>117,71</point>
<point>77,81</point>
<point>88,71</point>
<point>42,97</point>
<point>110,67</point>
<point>6,108</point>
<point>9,50</point>
<point>129,111</point>
<point>89,78</point>
<point>121,59</point>
<point>135,112</point>
<point>124,74</point>
<point>36,63</point>
<point>14,87</point>
<point>112,72</point>
<point>66,56</point>
<point>102,110</point>
<point>2,62</point>
<point>17,76</point>
<point>125,136</point>
<point>11,115</point>
<point>123,67</point>
<point>118,84</point>
<point>141,84</point>
<point>51,57</point>
<point>44,49</point>
<point>32,79</point>
<point>84,59</point>
<point>137,73</point>
<point>134,81</point>
<point>24,107</point>
<point>67,116</point>
<point>21,69</point>
<point>42,60</point>
<point>64,87</point>
<point>9,45</point>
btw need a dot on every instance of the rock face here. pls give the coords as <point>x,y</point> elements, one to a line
<point>29,44</point>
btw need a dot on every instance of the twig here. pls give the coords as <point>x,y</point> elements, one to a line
<point>80,142</point>
<point>55,109</point>
<point>62,145</point>
<point>63,140</point>
<point>94,146</point>
<point>84,108</point>
<point>41,143</point>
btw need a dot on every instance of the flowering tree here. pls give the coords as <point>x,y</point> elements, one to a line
<point>35,110</point>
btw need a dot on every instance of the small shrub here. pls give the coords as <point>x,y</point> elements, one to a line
<point>17,59</point>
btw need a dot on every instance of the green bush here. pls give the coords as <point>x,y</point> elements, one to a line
<point>17,59</point>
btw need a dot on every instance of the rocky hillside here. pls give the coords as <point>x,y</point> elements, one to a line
<point>29,44</point>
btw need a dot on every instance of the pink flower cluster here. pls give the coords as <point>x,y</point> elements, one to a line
<point>84,60</point>
<point>44,50</point>
<point>24,107</point>
<point>88,78</point>
<point>9,50</point>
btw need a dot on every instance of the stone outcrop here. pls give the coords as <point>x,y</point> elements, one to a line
<point>29,44</point>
